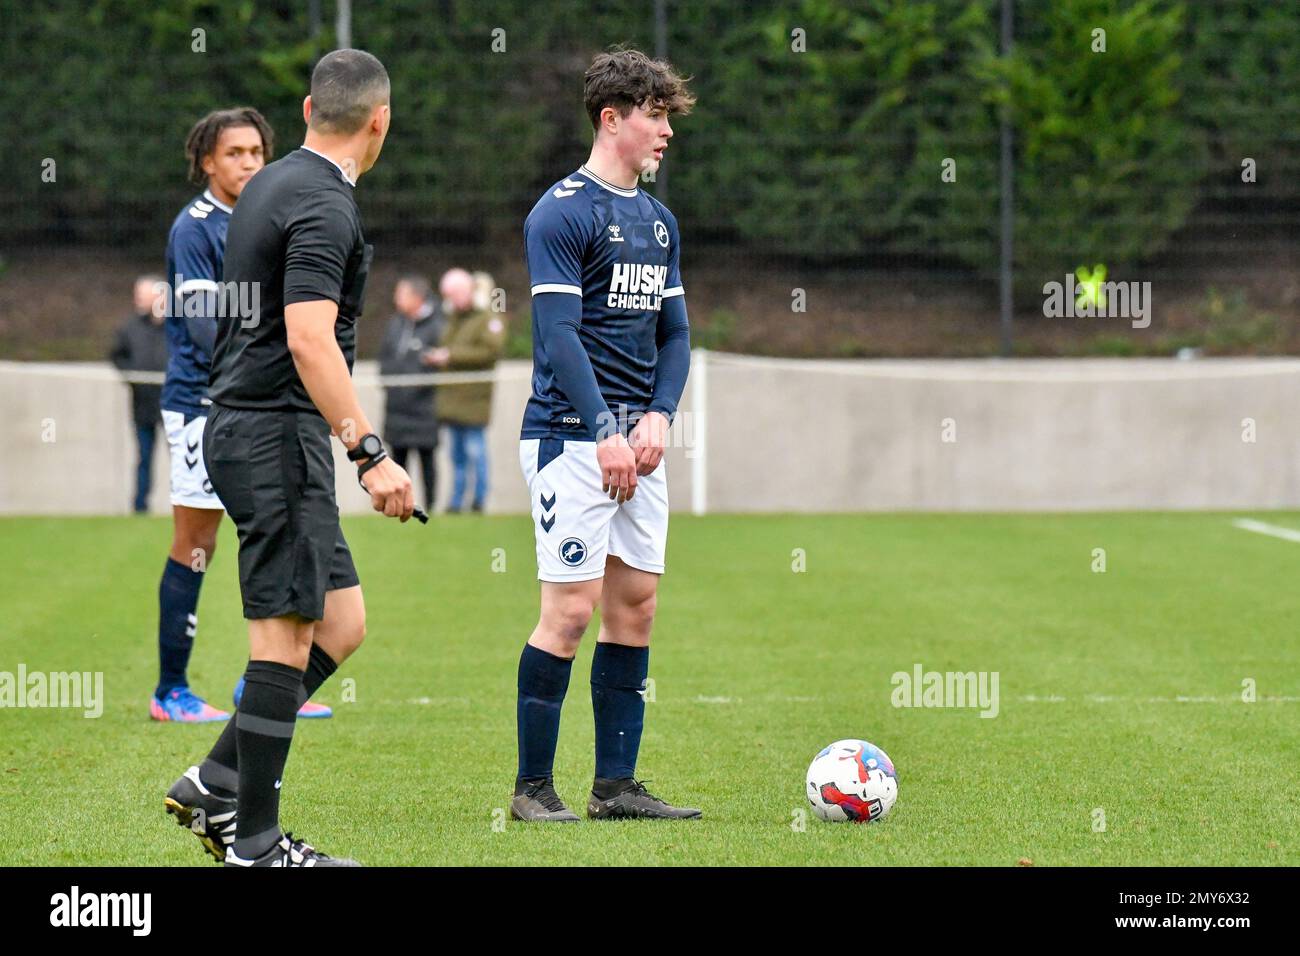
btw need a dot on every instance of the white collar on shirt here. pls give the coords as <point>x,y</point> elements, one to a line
<point>610,186</point>
<point>350,182</point>
<point>207,194</point>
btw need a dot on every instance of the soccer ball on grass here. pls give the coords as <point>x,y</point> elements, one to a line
<point>852,780</point>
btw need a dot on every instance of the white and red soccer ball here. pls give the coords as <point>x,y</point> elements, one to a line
<point>852,780</point>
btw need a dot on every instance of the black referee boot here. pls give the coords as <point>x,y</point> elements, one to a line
<point>211,818</point>
<point>289,852</point>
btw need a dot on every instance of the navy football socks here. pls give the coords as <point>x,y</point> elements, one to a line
<point>178,598</point>
<point>618,674</point>
<point>543,681</point>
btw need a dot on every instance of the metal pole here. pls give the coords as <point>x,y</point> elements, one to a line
<point>343,24</point>
<point>1007,226</point>
<point>699,448</point>
<point>661,52</point>
<point>313,27</point>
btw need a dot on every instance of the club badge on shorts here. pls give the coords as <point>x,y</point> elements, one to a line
<point>573,552</point>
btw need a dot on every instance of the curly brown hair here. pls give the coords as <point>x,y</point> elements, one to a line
<point>207,131</point>
<point>626,79</point>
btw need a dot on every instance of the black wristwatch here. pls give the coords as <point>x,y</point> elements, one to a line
<point>368,447</point>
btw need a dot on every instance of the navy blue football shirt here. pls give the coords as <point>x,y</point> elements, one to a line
<point>617,250</point>
<point>196,246</point>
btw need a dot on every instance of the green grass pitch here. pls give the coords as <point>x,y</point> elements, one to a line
<point>756,666</point>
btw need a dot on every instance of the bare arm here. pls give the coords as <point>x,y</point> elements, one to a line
<point>309,330</point>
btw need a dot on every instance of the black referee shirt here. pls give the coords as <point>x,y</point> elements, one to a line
<point>296,233</point>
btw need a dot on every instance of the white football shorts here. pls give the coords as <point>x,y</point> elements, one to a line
<point>577,525</point>
<point>190,485</point>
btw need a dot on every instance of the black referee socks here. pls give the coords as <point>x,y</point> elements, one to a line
<point>264,731</point>
<point>320,666</point>
<point>219,772</point>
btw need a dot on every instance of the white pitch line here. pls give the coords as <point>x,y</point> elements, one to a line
<point>1263,527</point>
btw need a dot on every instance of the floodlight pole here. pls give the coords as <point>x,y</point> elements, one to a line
<point>343,24</point>
<point>313,27</point>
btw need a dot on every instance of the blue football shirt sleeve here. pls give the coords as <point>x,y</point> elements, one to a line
<point>197,271</point>
<point>554,243</point>
<point>558,316</point>
<point>672,335</point>
<point>673,282</point>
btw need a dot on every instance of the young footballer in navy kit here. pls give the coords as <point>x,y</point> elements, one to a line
<point>611,351</point>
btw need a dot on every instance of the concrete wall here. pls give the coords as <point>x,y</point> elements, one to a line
<point>1029,434</point>
<point>784,435</point>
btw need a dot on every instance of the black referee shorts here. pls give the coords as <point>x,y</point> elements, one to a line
<point>274,473</point>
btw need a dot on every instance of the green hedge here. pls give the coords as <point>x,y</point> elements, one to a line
<point>833,153</point>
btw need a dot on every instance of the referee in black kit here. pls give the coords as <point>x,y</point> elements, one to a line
<point>281,385</point>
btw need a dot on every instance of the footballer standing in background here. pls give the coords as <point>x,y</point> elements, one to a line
<point>281,385</point>
<point>225,149</point>
<point>611,351</point>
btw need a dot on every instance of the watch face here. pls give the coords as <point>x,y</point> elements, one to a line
<point>371,445</point>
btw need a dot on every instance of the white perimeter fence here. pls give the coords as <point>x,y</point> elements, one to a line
<point>783,435</point>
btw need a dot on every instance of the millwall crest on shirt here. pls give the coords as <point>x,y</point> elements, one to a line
<point>634,285</point>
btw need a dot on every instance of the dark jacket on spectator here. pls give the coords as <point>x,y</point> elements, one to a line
<point>410,419</point>
<point>141,346</point>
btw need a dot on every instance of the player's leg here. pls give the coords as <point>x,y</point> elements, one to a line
<point>279,650</point>
<point>278,653</point>
<point>203,799</point>
<point>619,668</point>
<point>338,634</point>
<point>295,569</point>
<point>292,557</point>
<point>571,524</point>
<point>620,664</point>
<point>544,668</point>
<point>196,516</point>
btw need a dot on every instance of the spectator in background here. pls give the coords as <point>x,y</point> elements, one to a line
<point>141,346</point>
<point>410,419</point>
<point>473,342</point>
